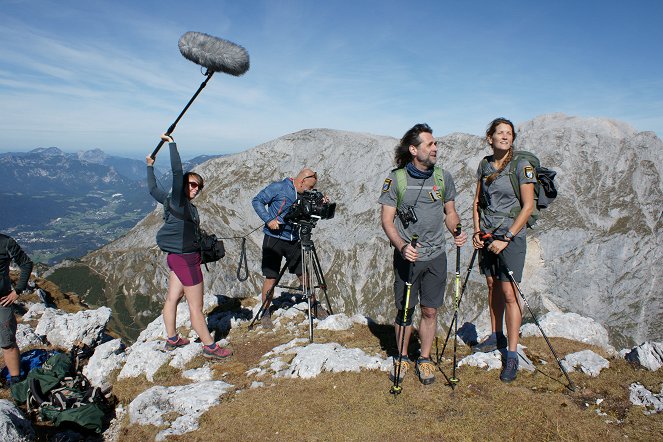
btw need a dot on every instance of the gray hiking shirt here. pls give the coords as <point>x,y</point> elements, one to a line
<point>428,207</point>
<point>501,196</point>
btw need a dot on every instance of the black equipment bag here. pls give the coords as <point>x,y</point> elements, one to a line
<point>211,248</point>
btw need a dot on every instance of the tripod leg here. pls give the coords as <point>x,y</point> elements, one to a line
<point>307,288</point>
<point>320,277</point>
<point>268,297</point>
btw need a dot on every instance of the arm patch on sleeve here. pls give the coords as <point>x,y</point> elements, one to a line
<point>529,172</point>
<point>387,185</point>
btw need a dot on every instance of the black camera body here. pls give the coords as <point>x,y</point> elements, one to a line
<point>407,216</point>
<point>310,206</point>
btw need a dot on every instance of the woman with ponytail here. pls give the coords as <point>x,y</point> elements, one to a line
<point>493,201</point>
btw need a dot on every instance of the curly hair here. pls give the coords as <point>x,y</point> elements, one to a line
<point>411,138</point>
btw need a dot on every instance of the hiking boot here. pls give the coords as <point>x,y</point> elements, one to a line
<point>491,343</point>
<point>179,342</point>
<point>319,311</point>
<point>266,322</point>
<point>405,366</point>
<point>217,352</point>
<point>510,370</point>
<point>425,369</point>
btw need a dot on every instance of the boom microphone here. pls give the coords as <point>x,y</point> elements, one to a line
<point>216,54</point>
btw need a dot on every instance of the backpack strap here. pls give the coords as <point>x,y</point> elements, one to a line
<point>513,213</point>
<point>401,183</point>
<point>438,177</point>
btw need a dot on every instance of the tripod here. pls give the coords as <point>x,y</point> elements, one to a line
<point>310,266</point>
<point>310,262</point>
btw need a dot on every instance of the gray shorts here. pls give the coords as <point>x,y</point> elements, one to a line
<point>513,256</point>
<point>7,327</point>
<point>429,281</point>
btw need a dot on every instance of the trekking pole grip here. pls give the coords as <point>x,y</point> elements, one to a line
<point>413,241</point>
<point>458,228</point>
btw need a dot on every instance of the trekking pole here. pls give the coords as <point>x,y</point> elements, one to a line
<point>460,298</point>
<point>536,321</point>
<point>396,389</point>
<point>454,380</point>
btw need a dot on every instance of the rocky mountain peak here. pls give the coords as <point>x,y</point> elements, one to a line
<point>594,252</point>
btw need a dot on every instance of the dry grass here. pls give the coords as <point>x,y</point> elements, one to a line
<point>359,406</point>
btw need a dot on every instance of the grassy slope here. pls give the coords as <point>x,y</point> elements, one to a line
<point>358,406</point>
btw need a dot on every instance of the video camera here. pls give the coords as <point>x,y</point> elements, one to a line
<point>310,206</point>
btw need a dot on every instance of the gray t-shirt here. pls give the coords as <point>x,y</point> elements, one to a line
<point>423,196</point>
<point>501,196</point>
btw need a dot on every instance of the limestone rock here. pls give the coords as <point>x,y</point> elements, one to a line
<point>570,326</point>
<point>648,355</point>
<point>157,405</point>
<point>493,360</point>
<point>13,425</point>
<point>107,357</point>
<point>63,329</point>
<point>589,362</point>
<point>640,396</point>
<point>595,251</point>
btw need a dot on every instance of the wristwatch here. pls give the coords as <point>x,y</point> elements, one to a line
<point>509,235</point>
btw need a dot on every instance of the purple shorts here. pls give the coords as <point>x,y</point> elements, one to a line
<point>187,267</point>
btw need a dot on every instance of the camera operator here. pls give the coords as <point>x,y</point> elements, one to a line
<point>418,198</point>
<point>281,238</point>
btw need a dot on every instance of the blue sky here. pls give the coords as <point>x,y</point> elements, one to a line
<point>85,74</point>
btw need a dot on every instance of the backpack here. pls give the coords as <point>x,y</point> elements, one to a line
<point>59,392</point>
<point>544,188</point>
<point>30,359</point>
<point>401,184</point>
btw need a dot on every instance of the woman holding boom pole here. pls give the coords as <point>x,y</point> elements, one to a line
<point>178,237</point>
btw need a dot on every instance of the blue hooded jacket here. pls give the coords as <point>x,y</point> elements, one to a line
<point>273,202</point>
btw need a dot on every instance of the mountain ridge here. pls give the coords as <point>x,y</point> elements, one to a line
<point>590,250</point>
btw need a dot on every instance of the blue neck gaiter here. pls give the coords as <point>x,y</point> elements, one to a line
<point>416,173</point>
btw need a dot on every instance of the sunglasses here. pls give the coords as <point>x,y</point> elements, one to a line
<point>315,175</point>
<point>194,184</point>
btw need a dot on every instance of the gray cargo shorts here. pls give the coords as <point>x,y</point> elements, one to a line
<point>430,281</point>
<point>513,256</point>
<point>7,327</point>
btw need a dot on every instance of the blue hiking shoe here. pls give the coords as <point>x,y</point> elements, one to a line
<point>510,370</point>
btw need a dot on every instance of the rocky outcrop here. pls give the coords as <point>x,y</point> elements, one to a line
<point>188,402</point>
<point>64,329</point>
<point>14,426</point>
<point>570,326</point>
<point>648,355</point>
<point>587,361</point>
<point>642,397</point>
